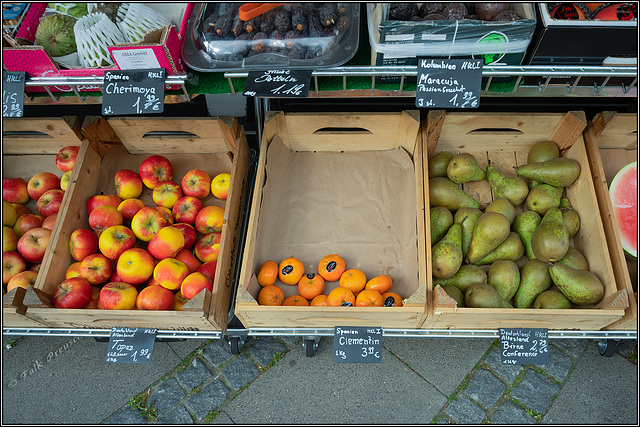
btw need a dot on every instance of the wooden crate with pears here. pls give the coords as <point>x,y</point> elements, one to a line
<point>611,141</point>
<point>212,145</point>
<point>537,259</point>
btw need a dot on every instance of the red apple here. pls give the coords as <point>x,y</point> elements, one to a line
<point>23,279</point>
<point>102,199</point>
<point>128,184</point>
<point>64,181</point>
<point>72,293</point>
<point>118,296</point>
<point>135,266</point>
<point>66,157</point>
<point>170,273</point>
<point>208,247</point>
<point>186,209</point>
<point>196,183</point>
<point>220,185</point>
<point>130,207</point>
<point>167,242</point>
<point>155,297</point>
<point>9,239</point>
<point>114,240</point>
<point>96,268</point>
<point>95,296</point>
<point>35,267</point>
<point>20,209</point>
<point>33,244</point>
<point>209,269</point>
<point>49,221</point>
<point>42,182</point>
<point>27,222</point>
<point>50,202</point>
<point>189,260</point>
<point>73,270</point>
<point>147,222</point>
<point>194,283</point>
<point>82,243</point>
<point>189,233</point>
<point>155,169</point>
<point>166,212</point>
<point>9,214</point>
<point>209,219</point>
<point>14,190</point>
<point>104,216</point>
<point>166,193</point>
<point>12,264</point>
<point>179,301</point>
<point>115,277</point>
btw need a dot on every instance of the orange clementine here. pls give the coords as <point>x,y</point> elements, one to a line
<point>290,271</point>
<point>331,267</point>
<point>270,295</point>
<point>268,273</point>
<point>310,286</point>
<point>295,300</point>
<point>380,283</point>
<point>353,279</point>
<point>340,296</point>
<point>319,301</point>
<point>369,298</point>
<point>391,299</point>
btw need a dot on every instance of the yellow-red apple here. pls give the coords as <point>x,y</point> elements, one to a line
<point>23,279</point>
<point>14,190</point>
<point>103,217</point>
<point>12,264</point>
<point>9,239</point>
<point>189,259</point>
<point>66,157</point>
<point>186,209</point>
<point>166,212</point>
<point>128,184</point>
<point>209,269</point>
<point>189,234</point>
<point>170,273</point>
<point>27,222</point>
<point>50,202</point>
<point>196,183</point>
<point>82,242</point>
<point>147,222</point>
<point>95,296</point>
<point>49,221</point>
<point>166,193</point>
<point>118,296</point>
<point>35,267</point>
<point>220,185</point>
<point>130,207</point>
<point>33,244</point>
<point>102,199</point>
<point>9,214</point>
<point>135,266</point>
<point>167,242</point>
<point>179,301</point>
<point>73,270</point>
<point>64,180</point>
<point>209,219</point>
<point>42,182</point>
<point>96,268</point>
<point>208,247</point>
<point>155,297</point>
<point>155,169</point>
<point>113,241</point>
<point>72,293</point>
<point>194,283</point>
<point>20,209</point>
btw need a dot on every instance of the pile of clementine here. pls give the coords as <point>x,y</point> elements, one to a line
<point>353,287</point>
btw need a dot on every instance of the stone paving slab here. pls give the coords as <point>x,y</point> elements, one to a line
<point>485,388</point>
<point>509,413</point>
<point>508,373</point>
<point>463,411</point>
<point>535,390</point>
<point>207,399</point>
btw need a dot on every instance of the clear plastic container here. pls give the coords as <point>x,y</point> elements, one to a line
<point>293,36</point>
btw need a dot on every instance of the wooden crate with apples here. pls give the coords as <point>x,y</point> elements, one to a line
<point>504,140</point>
<point>29,147</point>
<point>344,184</point>
<point>611,141</point>
<point>213,145</point>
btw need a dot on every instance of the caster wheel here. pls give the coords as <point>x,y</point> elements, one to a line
<point>310,347</point>
<point>607,347</point>
<point>235,345</point>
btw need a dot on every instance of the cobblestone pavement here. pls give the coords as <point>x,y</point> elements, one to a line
<point>197,390</point>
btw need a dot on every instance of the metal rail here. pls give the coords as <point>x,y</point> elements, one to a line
<point>102,333</point>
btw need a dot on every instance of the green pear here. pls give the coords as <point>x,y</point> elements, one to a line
<point>491,229</point>
<point>511,249</point>
<point>455,293</point>
<point>504,275</point>
<point>543,151</point>
<point>464,168</point>
<point>543,197</point>
<point>504,207</point>
<point>571,220</point>
<point>581,287</point>
<point>534,279</point>
<point>574,259</point>
<point>441,220</point>
<point>565,203</point>
<point>525,224</point>
<point>550,241</point>
<point>559,172</point>
<point>485,296</point>
<point>446,255</point>
<point>552,299</point>
<point>438,163</point>
<point>467,218</point>
<point>532,183</point>
<point>512,188</point>
<point>444,192</point>
<point>467,275</point>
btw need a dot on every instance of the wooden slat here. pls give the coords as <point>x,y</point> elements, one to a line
<point>616,130</point>
<point>58,132</point>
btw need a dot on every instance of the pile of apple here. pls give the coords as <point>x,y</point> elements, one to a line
<point>146,257</point>
<point>25,234</point>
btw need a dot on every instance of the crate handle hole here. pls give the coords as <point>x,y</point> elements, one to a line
<point>494,130</point>
<point>25,134</point>
<point>161,134</point>
<point>342,131</point>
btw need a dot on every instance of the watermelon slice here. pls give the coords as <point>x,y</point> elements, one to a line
<point>624,198</point>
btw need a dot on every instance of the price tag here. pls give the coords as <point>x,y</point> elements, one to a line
<point>357,344</point>
<point>278,83</point>
<point>13,93</point>
<point>448,83</point>
<point>133,91</point>
<point>131,345</point>
<point>524,346</point>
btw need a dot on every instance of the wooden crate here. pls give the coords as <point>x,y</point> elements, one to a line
<point>209,146</point>
<point>29,146</point>
<point>505,139</point>
<point>319,140</point>
<point>611,140</point>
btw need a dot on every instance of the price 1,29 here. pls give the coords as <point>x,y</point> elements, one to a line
<point>468,100</point>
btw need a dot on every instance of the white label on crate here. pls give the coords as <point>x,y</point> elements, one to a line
<point>434,37</point>
<point>399,37</point>
<point>135,59</point>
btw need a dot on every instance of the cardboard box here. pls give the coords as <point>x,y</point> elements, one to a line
<point>504,139</point>
<point>611,140</point>
<point>160,47</point>
<point>349,184</point>
<point>213,145</point>
<point>580,42</point>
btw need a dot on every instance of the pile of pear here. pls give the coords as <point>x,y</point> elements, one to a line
<point>500,258</point>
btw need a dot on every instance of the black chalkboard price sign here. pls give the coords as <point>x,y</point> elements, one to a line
<point>524,346</point>
<point>278,83</point>
<point>448,83</point>
<point>131,345</point>
<point>357,344</point>
<point>13,93</point>
<point>133,92</point>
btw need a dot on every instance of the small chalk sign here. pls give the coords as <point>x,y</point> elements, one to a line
<point>13,93</point>
<point>133,92</point>
<point>131,345</point>
<point>278,83</point>
<point>524,346</point>
<point>448,83</point>
<point>357,344</point>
